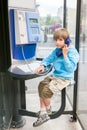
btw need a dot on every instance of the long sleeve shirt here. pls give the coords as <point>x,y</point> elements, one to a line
<point>63,67</point>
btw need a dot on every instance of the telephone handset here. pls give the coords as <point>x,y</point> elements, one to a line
<point>68,41</point>
<point>59,51</point>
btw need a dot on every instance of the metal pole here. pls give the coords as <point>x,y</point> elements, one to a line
<point>17,120</point>
<point>5,56</point>
<point>64,15</point>
<point>1,105</point>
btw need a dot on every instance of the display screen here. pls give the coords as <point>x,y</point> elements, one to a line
<point>33,21</point>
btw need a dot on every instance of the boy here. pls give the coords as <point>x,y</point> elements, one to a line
<point>64,58</point>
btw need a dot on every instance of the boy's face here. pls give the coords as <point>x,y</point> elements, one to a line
<point>60,42</point>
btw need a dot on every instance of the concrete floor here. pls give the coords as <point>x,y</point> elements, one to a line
<point>60,123</point>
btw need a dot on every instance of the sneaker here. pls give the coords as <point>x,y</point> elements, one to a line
<point>41,119</point>
<point>49,112</point>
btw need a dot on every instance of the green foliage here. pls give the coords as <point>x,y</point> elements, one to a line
<point>48,20</point>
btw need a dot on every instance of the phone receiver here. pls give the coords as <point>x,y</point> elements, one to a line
<point>68,41</point>
<point>59,51</point>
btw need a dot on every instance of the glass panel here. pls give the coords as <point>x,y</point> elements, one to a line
<point>71,27</point>
<point>82,78</point>
<point>82,88</point>
<point>71,18</point>
<point>51,18</point>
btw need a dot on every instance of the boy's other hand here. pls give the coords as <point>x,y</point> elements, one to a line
<point>40,69</point>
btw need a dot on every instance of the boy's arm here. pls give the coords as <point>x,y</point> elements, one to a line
<point>48,60</point>
<point>70,62</point>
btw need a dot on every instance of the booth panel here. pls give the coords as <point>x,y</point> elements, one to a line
<point>82,89</point>
<point>71,26</point>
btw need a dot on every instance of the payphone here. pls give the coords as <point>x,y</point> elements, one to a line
<point>27,27</point>
<point>25,31</point>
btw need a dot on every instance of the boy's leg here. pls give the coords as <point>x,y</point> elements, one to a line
<point>45,94</point>
<point>43,117</point>
<point>45,106</point>
<point>42,106</point>
<point>47,103</point>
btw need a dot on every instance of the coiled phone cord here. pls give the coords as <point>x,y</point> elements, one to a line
<point>42,73</point>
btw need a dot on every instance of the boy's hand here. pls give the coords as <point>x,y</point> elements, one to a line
<point>40,69</point>
<point>65,50</point>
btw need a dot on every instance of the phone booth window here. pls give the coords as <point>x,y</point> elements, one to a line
<point>51,18</point>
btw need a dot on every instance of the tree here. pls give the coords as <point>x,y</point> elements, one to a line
<point>50,20</point>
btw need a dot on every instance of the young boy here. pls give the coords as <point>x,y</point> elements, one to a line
<point>64,58</point>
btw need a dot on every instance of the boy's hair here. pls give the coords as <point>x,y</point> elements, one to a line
<point>61,33</point>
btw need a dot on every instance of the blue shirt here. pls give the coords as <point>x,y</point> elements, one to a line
<point>63,67</point>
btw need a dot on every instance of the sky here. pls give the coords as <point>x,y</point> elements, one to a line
<point>51,6</point>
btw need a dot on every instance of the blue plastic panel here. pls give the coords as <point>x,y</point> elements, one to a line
<point>33,26</point>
